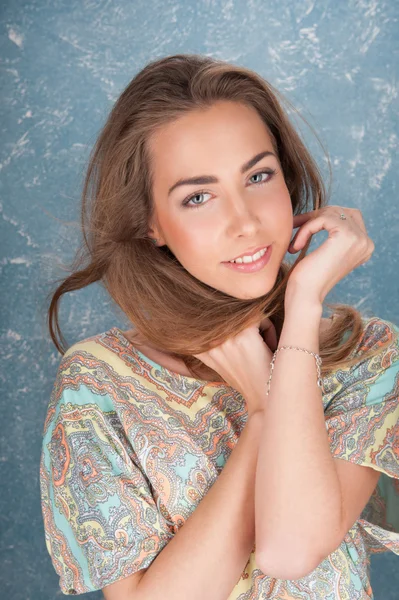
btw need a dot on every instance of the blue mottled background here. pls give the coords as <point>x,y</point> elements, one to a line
<point>63,65</point>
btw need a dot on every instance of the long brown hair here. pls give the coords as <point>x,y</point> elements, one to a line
<point>169,307</point>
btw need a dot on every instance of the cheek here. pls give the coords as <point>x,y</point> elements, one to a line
<point>190,240</point>
<point>275,210</point>
<point>283,218</point>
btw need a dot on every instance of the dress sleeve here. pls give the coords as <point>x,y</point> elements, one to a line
<point>100,518</point>
<point>362,421</point>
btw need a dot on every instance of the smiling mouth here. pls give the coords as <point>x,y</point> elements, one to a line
<point>251,266</point>
<point>249,257</point>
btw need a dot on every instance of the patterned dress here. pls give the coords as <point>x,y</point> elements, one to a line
<point>130,448</point>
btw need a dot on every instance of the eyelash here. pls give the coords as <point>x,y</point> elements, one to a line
<point>271,172</point>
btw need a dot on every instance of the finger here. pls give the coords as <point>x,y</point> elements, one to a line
<point>310,228</point>
<point>358,218</point>
<point>296,245</point>
<point>291,248</point>
<point>306,222</point>
<point>303,218</point>
<point>312,214</point>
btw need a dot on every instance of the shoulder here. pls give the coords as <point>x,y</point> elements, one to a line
<point>101,347</point>
<point>88,362</point>
<point>104,357</point>
<point>377,332</point>
<point>377,349</point>
<point>95,373</point>
<point>373,378</point>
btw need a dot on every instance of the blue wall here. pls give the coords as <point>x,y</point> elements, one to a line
<point>63,66</point>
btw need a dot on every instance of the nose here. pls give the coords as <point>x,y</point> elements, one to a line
<point>242,218</point>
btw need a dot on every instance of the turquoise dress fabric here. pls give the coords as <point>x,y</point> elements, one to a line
<point>130,448</point>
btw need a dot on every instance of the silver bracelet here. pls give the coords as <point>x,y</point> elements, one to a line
<point>318,364</point>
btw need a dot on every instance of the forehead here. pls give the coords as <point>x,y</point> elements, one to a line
<point>227,133</point>
<point>236,115</point>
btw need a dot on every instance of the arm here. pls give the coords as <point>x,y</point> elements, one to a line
<point>305,500</point>
<point>208,554</point>
<point>297,496</point>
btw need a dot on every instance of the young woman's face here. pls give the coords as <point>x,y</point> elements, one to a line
<point>235,213</point>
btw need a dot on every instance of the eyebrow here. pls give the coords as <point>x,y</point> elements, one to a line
<point>204,179</point>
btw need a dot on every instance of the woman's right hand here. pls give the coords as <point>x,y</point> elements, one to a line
<point>243,361</point>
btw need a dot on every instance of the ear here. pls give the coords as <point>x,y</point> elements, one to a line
<point>154,234</point>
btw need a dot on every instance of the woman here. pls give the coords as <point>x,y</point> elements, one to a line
<point>234,443</point>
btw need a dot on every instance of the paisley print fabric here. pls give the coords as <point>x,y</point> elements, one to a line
<point>130,449</point>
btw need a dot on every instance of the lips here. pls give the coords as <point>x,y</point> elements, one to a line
<point>251,266</point>
<point>249,252</point>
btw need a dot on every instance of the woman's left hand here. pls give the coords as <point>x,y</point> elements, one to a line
<point>243,361</point>
<point>347,247</point>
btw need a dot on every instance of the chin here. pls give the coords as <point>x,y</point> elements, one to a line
<point>247,294</point>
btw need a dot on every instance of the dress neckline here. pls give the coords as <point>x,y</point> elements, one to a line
<point>148,362</point>
<point>116,331</point>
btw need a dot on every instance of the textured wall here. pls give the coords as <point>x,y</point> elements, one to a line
<point>63,66</point>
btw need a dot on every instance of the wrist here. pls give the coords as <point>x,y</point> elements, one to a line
<point>302,319</point>
<point>299,300</point>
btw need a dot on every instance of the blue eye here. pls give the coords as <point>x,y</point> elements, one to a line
<point>196,195</point>
<point>269,172</point>
<point>257,174</point>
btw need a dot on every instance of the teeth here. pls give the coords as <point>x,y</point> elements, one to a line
<point>249,259</point>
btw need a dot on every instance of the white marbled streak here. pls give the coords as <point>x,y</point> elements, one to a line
<point>15,37</point>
